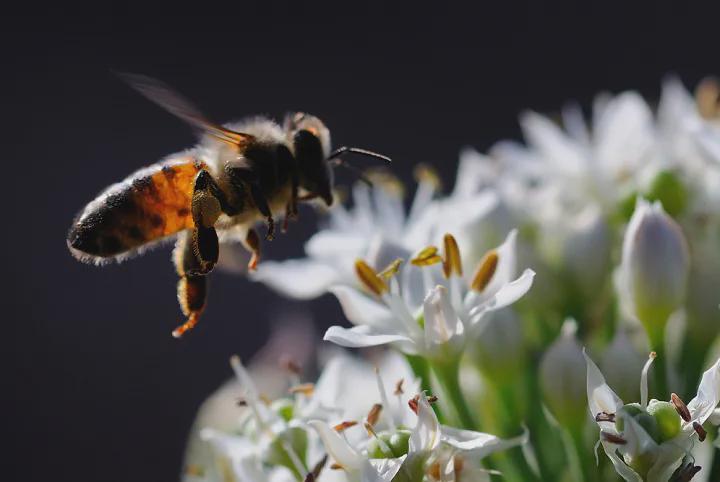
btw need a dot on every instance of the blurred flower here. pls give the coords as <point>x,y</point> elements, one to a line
<point>562,377</point>
<point>622,364</point>
<point>654,269</point>
<point>647,441</point>
<point>451,311</point>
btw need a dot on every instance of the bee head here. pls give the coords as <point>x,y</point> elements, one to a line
<point>311,144</point>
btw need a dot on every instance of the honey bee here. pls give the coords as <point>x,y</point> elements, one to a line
<point>237,175</point>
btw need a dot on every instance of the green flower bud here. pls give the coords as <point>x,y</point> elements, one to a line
<point>396,442</point>
<point>667,420</point>
<point>667,188</point>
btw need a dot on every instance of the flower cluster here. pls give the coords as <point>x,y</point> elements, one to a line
<point>593,237</point>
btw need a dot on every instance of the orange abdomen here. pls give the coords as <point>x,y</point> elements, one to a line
<point>150,205</point>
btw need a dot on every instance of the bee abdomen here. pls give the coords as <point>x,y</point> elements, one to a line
<point>147,207</point>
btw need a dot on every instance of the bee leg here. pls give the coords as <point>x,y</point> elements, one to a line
<point>264,208</point>
<point>191,288</point>
<point>252,243</point>
<point>206,209</point>
<point>291,210</point>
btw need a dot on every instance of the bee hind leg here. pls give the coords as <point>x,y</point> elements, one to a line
<point>207,205</point>
<point>242,175</point>
<point>191,288</point>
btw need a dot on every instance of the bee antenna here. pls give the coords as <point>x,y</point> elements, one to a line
<point>356,150</point>
<point>357,172</point>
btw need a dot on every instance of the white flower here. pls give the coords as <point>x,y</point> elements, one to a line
<point>647,441</point>
<point>655,263</point>
<point>450,310</point>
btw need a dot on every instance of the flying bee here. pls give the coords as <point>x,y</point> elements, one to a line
<point>239,174</point>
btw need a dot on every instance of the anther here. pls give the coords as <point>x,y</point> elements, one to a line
<point>290,365</point>
<point>434,470</point>
<point>370,278</point>
<point>241,402</point>
<point>391,270</point>
<point>485,271</point>
<point>413,404</point>
<point>605,417</point>
<point>342,426</point>
<point>399,387</point>
<point>612,438</point>
<point>304,388</point>
<point>374,414</point>
<point>685,473</point>
<point>315,472</point>
<point>425,173</point>
<point>337,466</point>
<point>451,262</point>
<point>700,431</point>
<point>680,406</point>
<point>427,257</point>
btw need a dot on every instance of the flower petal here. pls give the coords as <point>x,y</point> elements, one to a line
<point>441,321</point>
<point>481,444</point>
<point>426,434</point>
<point>296,278</point>
<point>360,309</point>
<point>361,336</point>
<point>506,296</point>
<point>336,446</point>
<point>708,397</point>
<point>381,470</point>
<point>621,467</point>
<point>601,398</point>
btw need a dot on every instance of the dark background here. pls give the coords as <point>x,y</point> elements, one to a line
<point>97,389</point>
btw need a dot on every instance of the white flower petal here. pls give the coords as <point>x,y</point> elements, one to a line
<point>481,444</point>
<point>441,321</point>
<point>426,434</point>
<point>296,278</point>
<point>360,309</point>
<point>381,470</point>
<point>506,296</point>
<point>336,446</point>
<point>621,467</point>
<point>361,336</point>
<point>601,398</point>
<point>708,397</point>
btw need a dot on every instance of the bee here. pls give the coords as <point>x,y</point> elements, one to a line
<point>238,175</point>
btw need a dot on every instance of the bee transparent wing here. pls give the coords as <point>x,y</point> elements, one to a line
<point>163,95</point>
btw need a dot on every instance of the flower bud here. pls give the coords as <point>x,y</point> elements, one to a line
<point>655,263</point>
<point>622,365</point>
<point>498,349</point>
<point>563,377</point>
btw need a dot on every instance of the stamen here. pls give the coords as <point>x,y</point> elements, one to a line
<point>427,257</point>
<point>241,402</point>
<point>458,464</point>
<point>290,365</point>
<point>315,472</point>
<point>383,178</point>
<point>605,417</point>
<point>680,406</point>
<point>413,404</point>
<point>384,399</point>
<point>342,426</point>
<point>485,272</point>
<point>374,414</point>
<point>685,473</point>
<point>304,388</point>
<point>336,466</point>
<point>391,270</point>
<point>612,438</point>
<point>707,96</point>
<point>452,262</point>
<point>644,380</point>
<point>294,458</point>
<point>369,278</point>
<point>399,387</point>
<point>700,431</point>
<point>425,173</point>
<point>433,470</point>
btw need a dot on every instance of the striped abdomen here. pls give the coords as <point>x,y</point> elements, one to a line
<point>150,205</point>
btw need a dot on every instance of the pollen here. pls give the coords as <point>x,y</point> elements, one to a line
<point>485,271</point>
<point>427,257</point>
<point>451,263</point>
<point>370,278</point>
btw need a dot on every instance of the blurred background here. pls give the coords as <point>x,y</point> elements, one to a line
<point>97,388</point>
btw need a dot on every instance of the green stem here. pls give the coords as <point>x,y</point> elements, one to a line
<point>448,375</point>
<point>656,334</point>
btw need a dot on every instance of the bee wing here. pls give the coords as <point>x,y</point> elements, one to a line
<point>175,103</point>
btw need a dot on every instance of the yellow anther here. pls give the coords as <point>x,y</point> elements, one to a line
<point>451,263</point>
<point>304,388</point>
<point>707,97</point>
<point>425,173</point>
<point>370,278</point>
<point>391,270</point>
<point>485,271</point>
<point>342,426</point>
<point>427,257</point>
<point>374,414</point>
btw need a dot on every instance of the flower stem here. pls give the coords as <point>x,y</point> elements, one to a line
<point>421,369</point>
<point>448,375</point>
<point>656,334</point>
